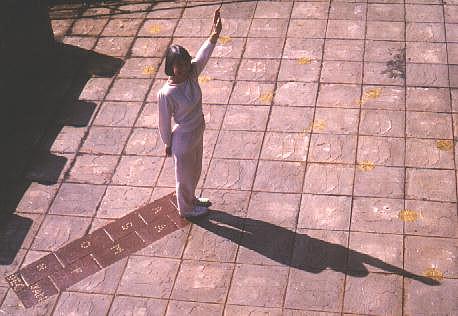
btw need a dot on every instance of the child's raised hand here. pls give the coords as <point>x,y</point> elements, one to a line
<point>217,25</point>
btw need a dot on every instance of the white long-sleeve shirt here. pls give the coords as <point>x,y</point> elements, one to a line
<point>183,101</point>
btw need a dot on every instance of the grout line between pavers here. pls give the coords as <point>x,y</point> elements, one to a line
<point>347,255</point>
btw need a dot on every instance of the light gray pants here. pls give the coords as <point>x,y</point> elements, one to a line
<point>187,150</point>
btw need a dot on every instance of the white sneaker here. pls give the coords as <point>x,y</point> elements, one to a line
<point>202,201</point>
<point>196,211</point>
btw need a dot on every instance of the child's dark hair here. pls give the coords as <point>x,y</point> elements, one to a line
<point>174,52</point>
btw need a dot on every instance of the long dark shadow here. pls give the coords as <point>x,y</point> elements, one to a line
<point>310,254</point>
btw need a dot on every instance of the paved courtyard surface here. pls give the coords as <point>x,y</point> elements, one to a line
<point>329,157</point>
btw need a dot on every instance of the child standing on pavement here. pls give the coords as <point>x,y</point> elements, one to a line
<point>181,98</point>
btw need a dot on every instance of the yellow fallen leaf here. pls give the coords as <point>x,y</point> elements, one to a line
<point>434,274</point>
<point>366,165</point>
<point>444,144</point>
<point>266,97</point>
<point>408,215</point>
<point>225,39</point>
<point>149,70</point>
<point>370,94</point>
<point>304,60</point>
<point>204,79</point>
<point>154,29</point>
<point>319,125</point>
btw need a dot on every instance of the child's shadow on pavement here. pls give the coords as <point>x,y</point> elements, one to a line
<point>310,254</point>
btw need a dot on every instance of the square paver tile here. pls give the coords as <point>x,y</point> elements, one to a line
<point>95,89</point>
<point>325,212</point>
<point>138,170</point>
<point>383,250</point>
<point>77,199</point>
<point>382,123</point>
<point>270,47</point>
<point>145,141</point>
<point>297,70</point>
<point>92,27</point>
<point>129,90</point>
<point>303,48</point>
<point>329,179</point>
<point>193,27</point>
<point>274,208</point>
<point>119,114</point>
<point>290,119</point>
<point>93,169</point>
<point>349,50</point>
<point>389,73</point>
<point>37,198</point>
<point>279,176</point>
<point>273,9</point>
<point>114,46</point>
<point>429,125</point>
<point>65,139</point>
<point>424,13</point>
<point>230,174</point>
<point>235,27</point>
<point>122,27</point>
<point>170,246</point>
<point>429,184</point>
<point>432,219</point>
<point>452,50</point>
<point>105,140</point>
<point>258,285</point>
<point>251,310</point>
<point>121,200</point>
<point>339,95</point>
<point>385,12</point>
<point>425,32</point>
<point>295,94</point>
<point>19,231</point>
<point>177,308</point>
<point>392,31</point>
<point>425,253</point>
<point>427,153</point>
<point>341,72</point>
<point>136,67</point>
<point>148,276</point>
<point>220,69</point>
<point>427,75</point>
<point>382,51</point>
<point>234,48</point>
<point>345,29</point>
<point>381,293</point>
<point>300,28</point>
<point>428,99</point>
<point>203,281</point>
<point>148,47</point>
<point>332,148</point>
<point>335,121</point>
<point>379,182</point>
<point>285,146</point>
<point>216,91</point>
<point>56,231</point>
<point>245,117</point>
<point>258,69</point>
<point>315,290</point>
<point>238,144</point>
<point>124,305</point>
<point>268,28</point>
<point>158,28</point>
<point>214,115</point>
<point>430,53</point>
<point>347,11</point>
<point>377,215</point>
<point>82,303</point>
<point>310,10</point>
<point>386,151</point>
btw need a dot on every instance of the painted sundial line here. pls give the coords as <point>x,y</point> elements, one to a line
<point>91,253</point>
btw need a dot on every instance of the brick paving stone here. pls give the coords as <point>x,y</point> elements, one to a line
<point>214,115</point>
<point>121,200</point>
<point>324,212</point>
<point>148,117</point>
<point>290,119</point>
<point>336,121</point>
<point>258,285</point>
<point>230,174</point>
<point>237,310</point>
<point>56,231</point>
<point>221,69</point>
<point>435,219</point>
<point>177,308</point>
<point>285,146</point>
<point>295,94</point>
<point>392,31</point>
<point>148,276</point>
<point>300,48</point>
<point>347,11</point>
<point>315,290</point>
<point>350,50</point>
<point>129,90</point>
<point>270,47</point>
<point>332,148</point>
<point>320,250</point>
<point>202,281</point>
<point>377,215</point>
<point>387,289</point>
<point>145,141</point>
<point>95,89</point>
<point>121,27</point>
<point>245,117</point>
<point>385,12</point>
<point>37,198</point>
<point>307,28</point>
<point>328,179</point>
<point>423,153</point>
<point>432,75</point>
<point>237,144</point>
<point>14,307</point>
<point>429,125</point>
<point>148,47</point>
<point>137,170</point>
<point>126,305</point>
<point>82,304</point>
<point>258,69</point>
<point>434,53</point>
<point>425,32</point>
<point>310,10</point>
<point>386,151</point>
<point>428,184</point>
<point>345,29</point>
<point>380,182</point>
<point>279,176</point>
<point>114,46</point>
<point>88,26</point>
<point>119,114</point>
<point>77,199</point>
<point>382,51</point>
<point>382,123</point>
<point>341,72</point>
<point>424,13</point>
<point>268,28</point>
<point>293,70</point>
<point>428,99</point>
<point>105,140</point>
<point>385,247</point>
<point>93,169</point>
<point>338,96</point>
<point>423,299</point>
<point>274,208</point>
<point>423,253</point>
